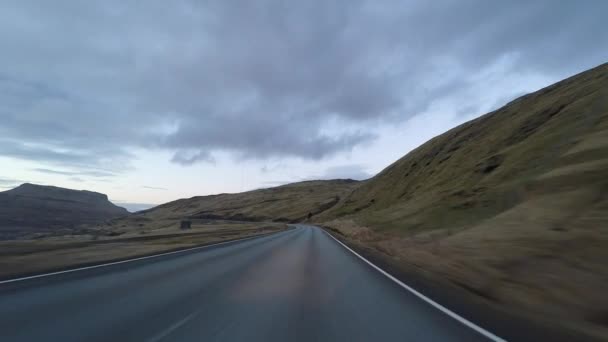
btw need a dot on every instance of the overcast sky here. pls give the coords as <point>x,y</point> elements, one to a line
<point>150,101</point>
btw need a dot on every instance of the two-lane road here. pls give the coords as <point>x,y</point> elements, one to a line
<point>298,285</point>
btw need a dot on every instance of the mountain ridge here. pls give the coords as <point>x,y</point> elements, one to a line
<point>285,203</point>
<point>31,208</point>
<point>54,192</point>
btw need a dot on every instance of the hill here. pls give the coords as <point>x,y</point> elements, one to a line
<point>287,203</point>
<point>512,206</point>
<point>31,208</point>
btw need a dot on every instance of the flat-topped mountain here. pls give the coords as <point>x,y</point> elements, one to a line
<point>37,208</point>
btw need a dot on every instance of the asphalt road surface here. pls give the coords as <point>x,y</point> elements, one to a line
<point>297,285</point>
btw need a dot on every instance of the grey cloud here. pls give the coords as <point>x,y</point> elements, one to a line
<point>467,110</point>
<point>278,166</point>
<point>41,153</point>
<point>54,172</point>
<point>189,157</point>
<point>92,173</point>
<point>258,137</point>
<point>153,187</point>
<point>93,161</point>
<point>259,80</point>
<point>4,181</point>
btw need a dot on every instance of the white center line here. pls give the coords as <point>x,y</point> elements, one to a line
<point>173,327</point>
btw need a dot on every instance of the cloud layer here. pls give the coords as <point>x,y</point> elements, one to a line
<point>82,85</point>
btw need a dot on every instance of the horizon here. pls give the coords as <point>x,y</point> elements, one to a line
<point>199,99</point>
<point>135,207</point>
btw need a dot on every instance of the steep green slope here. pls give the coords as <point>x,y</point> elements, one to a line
<point>512,206</point>
<point>549,141</point>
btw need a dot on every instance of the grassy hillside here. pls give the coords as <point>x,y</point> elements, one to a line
<point>512,205</point>
<point>287,203</point>
<point>550,141</point>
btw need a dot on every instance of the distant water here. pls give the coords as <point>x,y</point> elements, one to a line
<point>133,207</point>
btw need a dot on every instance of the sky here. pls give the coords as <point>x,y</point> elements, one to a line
<point>151,101</point>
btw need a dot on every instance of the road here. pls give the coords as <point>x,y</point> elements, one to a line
<point>297,285</point>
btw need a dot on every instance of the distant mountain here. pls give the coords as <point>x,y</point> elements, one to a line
<point>287,203</point>
<point>32,208</point>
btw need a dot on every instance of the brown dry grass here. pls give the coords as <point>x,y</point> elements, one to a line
<point>41,255</point>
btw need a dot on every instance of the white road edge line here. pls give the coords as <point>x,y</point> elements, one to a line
<point>122,261</point>
<point>425,298</point>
